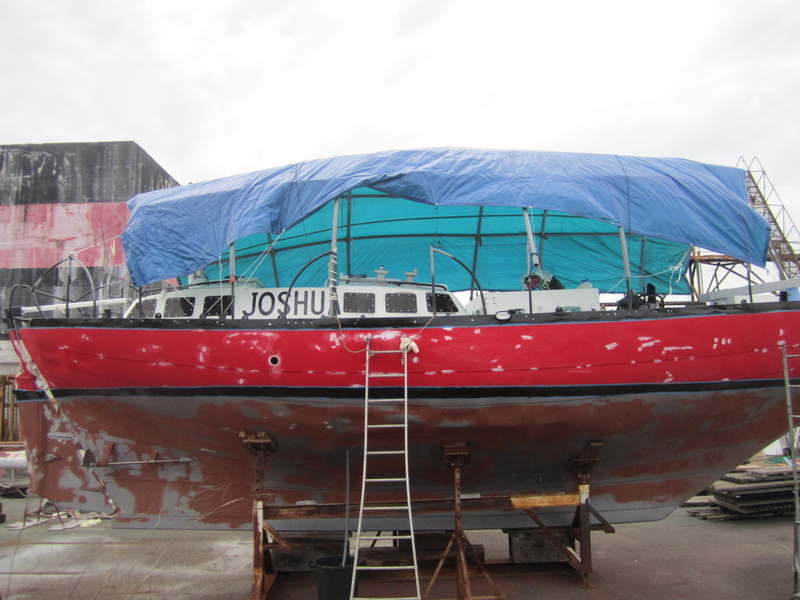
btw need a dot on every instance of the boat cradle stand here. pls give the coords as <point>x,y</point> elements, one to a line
<point>580,531</point>
<point>265,538</point>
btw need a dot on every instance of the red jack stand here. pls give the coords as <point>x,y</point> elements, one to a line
<point>456,455</point>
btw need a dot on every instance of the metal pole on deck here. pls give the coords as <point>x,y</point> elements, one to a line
<point>642,271</point>
<point>333,266</point>
<point>433,279</point>
<point>531,239</point>
<point>533,254</point>
<point>69,285</point>
<point>232,277</point>
<point>627,263</point>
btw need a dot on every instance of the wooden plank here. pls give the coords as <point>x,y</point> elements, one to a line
<point>744,488</point>
<point>775,508</point>
<point>772,473</point>
<point>697,501</point>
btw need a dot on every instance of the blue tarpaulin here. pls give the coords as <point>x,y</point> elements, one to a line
<point>465,201</point>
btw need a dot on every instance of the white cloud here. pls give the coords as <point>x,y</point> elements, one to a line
<point>211,88</point>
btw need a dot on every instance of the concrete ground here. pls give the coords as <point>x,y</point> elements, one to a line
<point>679,557</point>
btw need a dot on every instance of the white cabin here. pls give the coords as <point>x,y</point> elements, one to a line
<point>357,298</point>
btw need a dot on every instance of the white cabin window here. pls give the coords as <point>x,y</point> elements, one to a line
<point>214,306</point>
<point>179,307</point>
<point>148,309</point>
<point>355,302</point>
<point>400,302</point>
<point>444,303</point>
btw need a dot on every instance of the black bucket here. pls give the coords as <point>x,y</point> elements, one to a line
<point>333,579</point>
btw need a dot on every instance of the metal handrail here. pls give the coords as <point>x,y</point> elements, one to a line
<point>471,274</point>
<point>296,277</point>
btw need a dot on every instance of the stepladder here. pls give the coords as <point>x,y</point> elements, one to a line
<point>385,482</point>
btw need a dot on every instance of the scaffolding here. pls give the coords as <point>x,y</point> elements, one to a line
<point>708,271</point>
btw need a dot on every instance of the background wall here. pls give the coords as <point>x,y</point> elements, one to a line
<point>57,199</point>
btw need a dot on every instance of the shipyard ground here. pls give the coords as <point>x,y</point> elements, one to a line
<point>680,557</point>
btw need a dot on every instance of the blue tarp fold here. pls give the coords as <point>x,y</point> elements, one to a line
<point>176,231</point>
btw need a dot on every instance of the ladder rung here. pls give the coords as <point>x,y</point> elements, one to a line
<point>384,479</point>
<point>386,452</point>
<point>387,351</point>
<point>384,567</point>
<point>386,426</point>
<point>371,375</point>
<point>385,400</point>
<point>385,537</point>
<point>388,507</point>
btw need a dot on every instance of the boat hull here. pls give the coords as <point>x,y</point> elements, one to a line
<point>676,398</point>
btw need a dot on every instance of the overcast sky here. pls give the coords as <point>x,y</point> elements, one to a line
<point>210,89</point>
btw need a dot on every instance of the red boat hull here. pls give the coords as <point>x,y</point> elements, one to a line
<point>676,398</point>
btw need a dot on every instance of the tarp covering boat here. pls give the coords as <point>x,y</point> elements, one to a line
<point>490,240</point>
<point>463,195</point>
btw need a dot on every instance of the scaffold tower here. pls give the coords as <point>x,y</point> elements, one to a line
<point>707,271</point>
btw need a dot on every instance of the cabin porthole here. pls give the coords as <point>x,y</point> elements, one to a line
<point>274,360</point>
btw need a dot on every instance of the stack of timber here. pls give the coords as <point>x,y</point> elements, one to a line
<point>748,492</point>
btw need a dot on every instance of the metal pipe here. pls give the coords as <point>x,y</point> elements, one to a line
<point>85,304</point>
<point>348,233</point>
<point>232,277</point>
<point>642,271</point>
<point>531,240</point>
<point>69,285</point>
<point>534,257</point>
<point>541,234</point>
<point>466,268</point>
<point>346,552</point>
<point>477,246</point>
<point>433,280</point>
<point>626,261</point>
<point>332,262</point>
<point>152,461</point>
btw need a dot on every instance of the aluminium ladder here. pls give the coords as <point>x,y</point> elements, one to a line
<point>395,452</point>
<point>793,454</point>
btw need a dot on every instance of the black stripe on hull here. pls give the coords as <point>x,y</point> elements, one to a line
<point>414,392</point>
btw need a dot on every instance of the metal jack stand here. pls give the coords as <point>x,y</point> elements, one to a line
<point>456,455</point>
<point>265,538</point>
<point>46,511</point>
<point>581,529</point>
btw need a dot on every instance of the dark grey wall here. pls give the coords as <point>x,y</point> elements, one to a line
<point>77,172</point>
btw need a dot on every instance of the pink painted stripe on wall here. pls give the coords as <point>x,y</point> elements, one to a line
<point>40,235</point>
